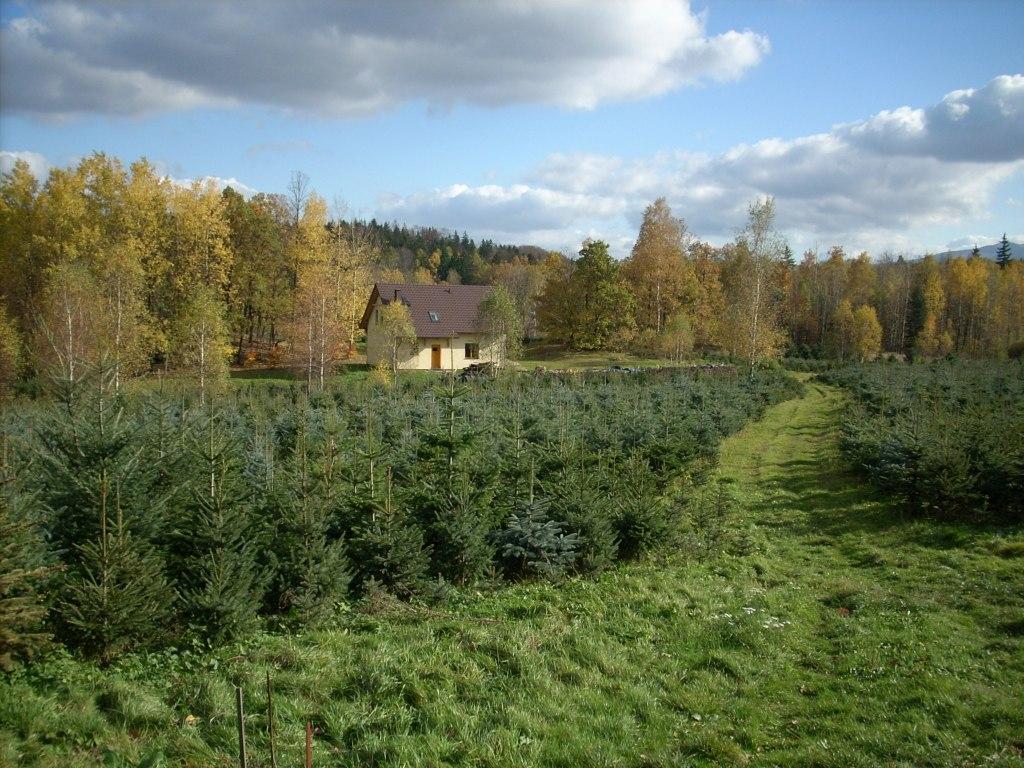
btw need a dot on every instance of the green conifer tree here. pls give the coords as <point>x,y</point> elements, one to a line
<point>586,509</point>
<point>214,539</point>
<point>118,598</point>
<point>1004,253</point>
<point>115,593</point>
<point>313,573</point>
<point>642,519</point>
<point>459,533</point>
<point>90,452</point>
<point>387,546</point>
<point>446,444</point>
<point>24,571</point>
<point>533,545</point>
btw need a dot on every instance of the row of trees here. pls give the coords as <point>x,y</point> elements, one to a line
<point>969,306</point>
<point>124,265</point>
<point>751,299</point>
<point>673,292</point>
<point>103,261</point>
<point>131,520</point>
<point>944,438</point>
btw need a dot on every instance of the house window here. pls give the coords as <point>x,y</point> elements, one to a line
<point>434,317</point>
<point>472,351</point>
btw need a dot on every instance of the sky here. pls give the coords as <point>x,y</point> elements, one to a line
<point>892,126</point>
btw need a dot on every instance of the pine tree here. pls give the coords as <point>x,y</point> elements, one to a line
<point>445,445</point>
<point>163,432</point>
<point>387,546</point>
<point>116,595</point>
<point>533,545</point>
<point>313,572</point>
<point>519,426</point>
<point>787,257</point>
<point>118,598</point>
<point>24,570</point>
<point>215,558</point>
<point>1004,254</point>
<point>586,509</point>
<point>642,519</point>
<point>459,534</point>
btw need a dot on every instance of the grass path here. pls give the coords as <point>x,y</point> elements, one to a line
<point>904,643</point>
<point>822,630</point>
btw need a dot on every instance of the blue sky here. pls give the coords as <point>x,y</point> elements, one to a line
<point>549,122</point>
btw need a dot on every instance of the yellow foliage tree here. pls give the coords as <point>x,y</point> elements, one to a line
<point>675,341</point>
<point>842,330</point>
<point>201,346</point>
<point>10,351</point>
<point>657,273</point>
<point>867,333</point>
<point>396,330</point>
<point>932,339</point>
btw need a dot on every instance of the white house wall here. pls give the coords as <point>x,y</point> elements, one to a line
<point>453,350</point>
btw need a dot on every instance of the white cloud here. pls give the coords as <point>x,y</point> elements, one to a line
<point>517,207</point>
<point>868,184</point>
<point>36,162</point>
<point>983,125</point>
<point>218,183</point>
<point>358,57</point>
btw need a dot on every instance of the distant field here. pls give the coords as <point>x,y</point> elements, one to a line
<point>546,356</point>
<point>558,356</point>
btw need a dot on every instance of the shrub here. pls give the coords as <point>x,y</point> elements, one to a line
<point>943,437</point>
<point>534,545</point>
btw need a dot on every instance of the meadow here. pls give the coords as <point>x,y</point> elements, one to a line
<point>788,613</point>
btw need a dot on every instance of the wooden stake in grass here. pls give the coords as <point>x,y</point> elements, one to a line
<point>240,713</point>
<point>270,721</point>
<point>309,744</point>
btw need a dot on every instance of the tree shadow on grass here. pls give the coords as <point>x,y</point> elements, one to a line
<point>827,498</point>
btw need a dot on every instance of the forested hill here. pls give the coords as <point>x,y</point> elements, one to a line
<point>986,252</point>
<point>440,251</point>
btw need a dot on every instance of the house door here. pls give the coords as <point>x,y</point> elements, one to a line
<point>435,356</point>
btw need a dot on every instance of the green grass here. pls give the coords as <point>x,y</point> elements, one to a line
<point>818,629</point>
<point>344,371</point>
<point>558,356</point>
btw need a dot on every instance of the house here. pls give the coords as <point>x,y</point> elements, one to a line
<point>447,323</point>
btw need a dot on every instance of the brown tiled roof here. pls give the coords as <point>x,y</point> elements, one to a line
<point>455,307</point>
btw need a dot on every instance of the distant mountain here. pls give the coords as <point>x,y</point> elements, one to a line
<point>987,251</point>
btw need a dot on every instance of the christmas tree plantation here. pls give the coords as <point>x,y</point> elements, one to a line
<point>149,519</point>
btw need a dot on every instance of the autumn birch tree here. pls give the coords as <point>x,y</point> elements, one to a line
<point>657,272</point>
<point>502,325</point>
<point>318,331</point>
<point>396,331</point>
<point>201,263</point>
<point>755,305</point>
<point>202,340</point>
